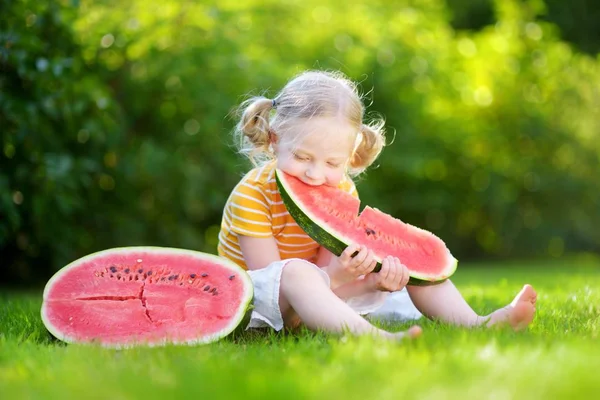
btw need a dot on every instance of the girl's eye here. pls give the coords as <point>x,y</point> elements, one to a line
<point>300,158</point>
<point>333,165</point>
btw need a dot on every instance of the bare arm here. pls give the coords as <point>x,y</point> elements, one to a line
<point>324,257</point>
<point>356,287</point>
<point>258,252</point>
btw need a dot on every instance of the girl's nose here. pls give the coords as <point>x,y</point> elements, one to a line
<point>313,173</point>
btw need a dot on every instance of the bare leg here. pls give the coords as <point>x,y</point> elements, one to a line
<point>304,292</point>
<point>445,303</point>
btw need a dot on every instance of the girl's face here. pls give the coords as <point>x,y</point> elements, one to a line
<point>316,151</point>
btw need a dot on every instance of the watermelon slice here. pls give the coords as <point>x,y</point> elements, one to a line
<point>331,217</point>
<point>148,296</point>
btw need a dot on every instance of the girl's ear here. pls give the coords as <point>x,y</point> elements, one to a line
<point>272,136</point>
<point>273,139</point>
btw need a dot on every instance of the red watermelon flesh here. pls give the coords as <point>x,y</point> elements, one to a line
<point>146,296</point>
<point>331,217</point>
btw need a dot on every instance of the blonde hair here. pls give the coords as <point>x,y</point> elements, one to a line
<point>310,94</point>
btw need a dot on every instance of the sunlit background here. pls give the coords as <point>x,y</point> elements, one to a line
<point>115,118</point>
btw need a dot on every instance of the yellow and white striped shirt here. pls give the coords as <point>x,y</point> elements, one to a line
<point>255,209</point>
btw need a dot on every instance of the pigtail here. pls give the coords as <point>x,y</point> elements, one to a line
<point>253,130</point>
<point>371,142</point>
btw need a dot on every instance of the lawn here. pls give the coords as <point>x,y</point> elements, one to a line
<point>558,357</point>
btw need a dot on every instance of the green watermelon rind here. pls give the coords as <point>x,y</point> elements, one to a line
<point>335,241</point>
<point>241,318</point>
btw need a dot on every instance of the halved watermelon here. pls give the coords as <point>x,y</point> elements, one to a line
<point>149,296</point>
<point>331,217</point>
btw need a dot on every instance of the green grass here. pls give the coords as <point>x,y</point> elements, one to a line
<point>558,357</point>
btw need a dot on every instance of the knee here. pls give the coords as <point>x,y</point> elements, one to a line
<point>297,270</point>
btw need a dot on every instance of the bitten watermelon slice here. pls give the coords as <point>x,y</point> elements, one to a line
<point>331,217</point>
<point>148,296</point>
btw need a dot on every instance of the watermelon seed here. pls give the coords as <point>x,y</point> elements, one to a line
<point>113,268</point>
<point>162,279</point>
<point>139,260</point>
<point>204,275</point>
<point>192,276</point>
<point>181,284</point>
<point>149,273</point>
<point>206,288</point>
<point>190,281</point>
<point>231,277</point>
<point>140,271</point>
<point>370,231</point>
<point>118,276</point>
<point>126,270</point>
<point>172,277</point>
<point>213,290</point>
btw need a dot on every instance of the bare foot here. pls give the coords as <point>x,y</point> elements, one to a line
<point>519,313</point>
<point>411,333</point>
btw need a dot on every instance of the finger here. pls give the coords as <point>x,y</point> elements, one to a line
<point>395,275</point>
<point>385,269</point>
<point>368,263</point>
<point>360,257</point>
<point>346,255</point>
<point>373,265</point>
<point>405,274</point>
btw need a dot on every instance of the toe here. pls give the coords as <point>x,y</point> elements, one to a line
<point>414,331</point>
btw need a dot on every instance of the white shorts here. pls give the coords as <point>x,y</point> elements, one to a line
<point>267,280</point>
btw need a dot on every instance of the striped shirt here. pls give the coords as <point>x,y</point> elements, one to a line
<point>255,209</point>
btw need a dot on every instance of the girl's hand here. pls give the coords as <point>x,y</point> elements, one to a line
<point>392,277</point>
<point>346,268</point>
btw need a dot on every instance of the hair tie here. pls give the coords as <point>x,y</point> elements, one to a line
<point>274,105</point>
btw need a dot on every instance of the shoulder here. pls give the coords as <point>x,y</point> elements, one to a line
<point>261,176</point>
<point>258,183</point>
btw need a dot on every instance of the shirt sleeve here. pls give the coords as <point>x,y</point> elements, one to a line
<point>250,211</point>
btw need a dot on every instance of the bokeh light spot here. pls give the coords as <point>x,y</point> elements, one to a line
<point>83,135</point>
<point>343,42</point>
<point>467,47</point>
<point>107,40</point>
<point>483,96</point>
<point>533,31</point>
<point>106,182</point>
<point>9,150</point>
<point>386,57</point>
<point>110,159</point>
<point>17,197</point>
<point>191,127</point>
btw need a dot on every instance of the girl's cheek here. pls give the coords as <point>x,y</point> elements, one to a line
<point>289,165</point>
<point>335,178</point>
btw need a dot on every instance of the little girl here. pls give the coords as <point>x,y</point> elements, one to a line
<point>313,129</point>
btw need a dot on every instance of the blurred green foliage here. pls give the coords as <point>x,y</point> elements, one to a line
<point>115,120</point>
<point>577,20</point>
